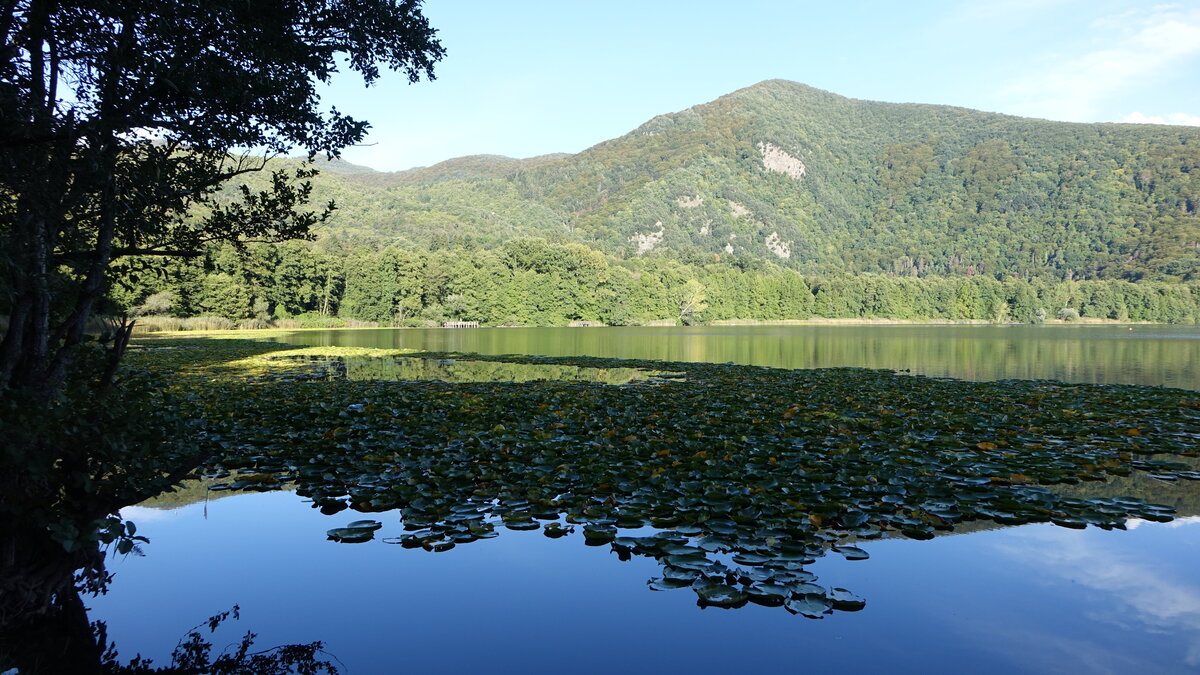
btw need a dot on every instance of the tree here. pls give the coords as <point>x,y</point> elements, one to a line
<point>118,122</point>
<point>225,295</point>
<point>156,304</point>
<point>688,298</point>
<point>120,128</point>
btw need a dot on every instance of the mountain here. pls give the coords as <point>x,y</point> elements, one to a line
<point>813,181</point>
<point>470,167</point>
<point>340,166</point>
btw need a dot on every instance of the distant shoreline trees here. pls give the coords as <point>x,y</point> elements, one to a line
<point>537,283</point>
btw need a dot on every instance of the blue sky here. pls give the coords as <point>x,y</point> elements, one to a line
<point>524,78</point>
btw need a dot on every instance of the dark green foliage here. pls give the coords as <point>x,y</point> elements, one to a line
<point>944,213</point>
<point>66,469</point>
<point>120,137</point>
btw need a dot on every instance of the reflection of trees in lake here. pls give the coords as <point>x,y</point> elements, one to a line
<point>65,641</point>
<point>409,369</point>
<point>1182,495</point>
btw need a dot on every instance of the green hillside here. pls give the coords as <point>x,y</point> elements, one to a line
<point>778,201</point>
<point>820,183</point>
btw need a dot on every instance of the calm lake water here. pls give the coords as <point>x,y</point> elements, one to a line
<point>1153,355</point>
<point>1034,598</point>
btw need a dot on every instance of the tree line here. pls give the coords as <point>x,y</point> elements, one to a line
<point>534,282</point>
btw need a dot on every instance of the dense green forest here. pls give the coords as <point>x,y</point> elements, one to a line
<point>534,282</point>
<point>778,201</point>
<point>822,184</point>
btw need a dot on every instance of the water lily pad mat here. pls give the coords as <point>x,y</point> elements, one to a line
<point>735,478</point>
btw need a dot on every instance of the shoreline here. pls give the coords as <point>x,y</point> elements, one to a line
<point>818,321</point>
<point>725,323</point>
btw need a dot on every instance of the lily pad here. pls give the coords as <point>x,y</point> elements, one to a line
<point>845,601</point>
<point>851,552</point>
<point>812,606</point>
<point>356,532</point>
<point>719,595</point>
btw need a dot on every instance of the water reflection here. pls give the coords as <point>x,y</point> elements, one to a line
<point>537,604</point>
<point>1122,583</point>
<point>412,369</point>
<point>524,599</point>
<point>1151,355</point>
<point>65,639</point>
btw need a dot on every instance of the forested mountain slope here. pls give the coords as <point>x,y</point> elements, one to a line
<point>824,184</point>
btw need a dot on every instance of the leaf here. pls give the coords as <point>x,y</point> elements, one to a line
<point>812,606</point>
<point>845,601</point>
<point>668,584</point>
<point>851,552</point>
<point>867,454</point>
<point>356,532</point>
<point>719,595</point>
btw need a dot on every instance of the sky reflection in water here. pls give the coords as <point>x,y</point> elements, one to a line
<point>1032,599</point>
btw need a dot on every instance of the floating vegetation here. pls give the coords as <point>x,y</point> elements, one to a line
<point>735,479</point>
<point>447,369</point>
<point>355,533</point>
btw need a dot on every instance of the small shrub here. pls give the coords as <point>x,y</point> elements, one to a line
<point>157,304</point>
<point>318,320</point>
<point>1068,314</point>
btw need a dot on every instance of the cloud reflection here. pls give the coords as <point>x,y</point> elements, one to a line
<point>144,514</point>
<point>1139,589</point>
<point>1135,523</point>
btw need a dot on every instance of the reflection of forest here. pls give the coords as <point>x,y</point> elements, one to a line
<point>192,492</point>
<point>449,370</point>
<point>408,369</point>
<point>69,641</point>
<point>1149,355</point>
<point>1182,495</point>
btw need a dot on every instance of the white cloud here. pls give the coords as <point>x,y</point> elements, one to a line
<point>1133,48</point>
<point>1179,119</point>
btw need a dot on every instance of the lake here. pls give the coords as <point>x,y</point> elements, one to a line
<point>1153,355</point>
<point>1035,598</point>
